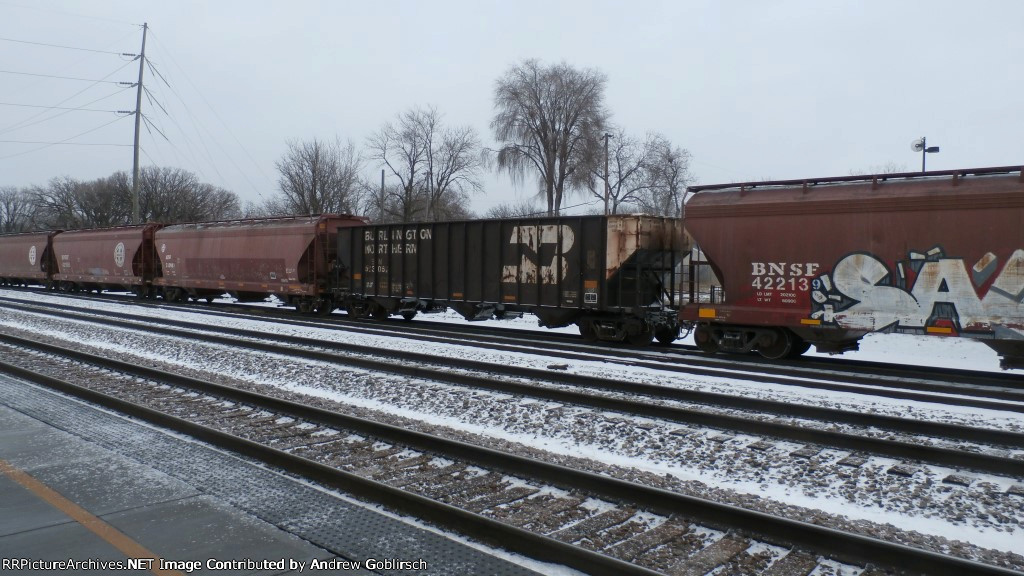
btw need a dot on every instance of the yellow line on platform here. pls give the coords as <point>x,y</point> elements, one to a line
<point>113,536</point>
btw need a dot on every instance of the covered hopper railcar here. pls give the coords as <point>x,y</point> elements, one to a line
<point>827,261</point>
<point>104,258</point>
<point>26,259</point>
<point>289,257</point>
<point>615,277</point>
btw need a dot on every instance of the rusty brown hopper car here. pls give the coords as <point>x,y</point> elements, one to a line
<point>105,258</point>
<point>827,261</point>
<point>252,259</point>
<point>613,276</point>
<point>26,259</point>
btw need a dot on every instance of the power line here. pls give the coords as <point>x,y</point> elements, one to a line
<point>61,143</point>
<point>223,123</point>
<point>25,123</point>
<point>67,78</point>
<point>64,140</point>
<point>203,148</point>
<point>65,108</point>
<point>71,66</point>
<point>65,47</point>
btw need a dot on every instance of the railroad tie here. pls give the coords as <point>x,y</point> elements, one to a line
<point>711,557</point>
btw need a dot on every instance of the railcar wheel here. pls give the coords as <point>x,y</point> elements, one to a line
<point>705,340</point>
<point>665,334</point>
<point>781,347</point>
<point>641,338</point>
<point>178,295</point>
<point>380,313</point>
<point>799,347</point>
<point>358,309</point>
<point>409,314</point>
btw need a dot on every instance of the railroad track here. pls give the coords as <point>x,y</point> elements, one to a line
<point>963,388</point>
<point>865,435</point>
<point>893,379</point>
<point>679,358</point>
<point>707,447</point>
<point>591,522</point>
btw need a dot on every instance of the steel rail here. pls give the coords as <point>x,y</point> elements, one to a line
<point>467,523</point>
<point>918,378</point>
<point>412,366</point>
<point>986,388</point>
<point>843,545</point>
<point>753,372</point>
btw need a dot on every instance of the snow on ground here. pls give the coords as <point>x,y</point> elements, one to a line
<point>597,367</point>
<point>579,433</point>
<point>934,351</point>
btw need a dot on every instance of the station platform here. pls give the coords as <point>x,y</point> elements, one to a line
<point>81,487</point>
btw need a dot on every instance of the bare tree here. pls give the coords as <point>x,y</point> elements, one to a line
<point>16,208</point>
<point>451,207</point>
<point>650,176</point>
<point>401,149</point>
<point>667,174</point>
<point>436,167</point>
<point>102,203</point>
<point>549,120</point>
<point>514,210</point>
<point>627,171</point>
<point>173,195</point>
<point>218,203</point>
<point>318,177</point>
<point>453,165</point>
<point>890,167</point>
<point>57,205</point>
<point>167,195</point>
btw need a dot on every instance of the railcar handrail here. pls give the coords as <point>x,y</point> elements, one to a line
<point>861,178</point>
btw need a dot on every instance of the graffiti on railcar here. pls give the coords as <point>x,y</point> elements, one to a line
<point>927,291</point>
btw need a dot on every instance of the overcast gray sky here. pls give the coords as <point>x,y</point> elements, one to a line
<point>753,89</point>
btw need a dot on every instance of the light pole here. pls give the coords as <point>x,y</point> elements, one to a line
<point>607,188</point>
<point>921,145</point>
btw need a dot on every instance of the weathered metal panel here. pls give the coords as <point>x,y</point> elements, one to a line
<point>932,254</point>
<point>105,257</point>
<point>290,255</point>
<point>562,263</point>
<point>26,257</point>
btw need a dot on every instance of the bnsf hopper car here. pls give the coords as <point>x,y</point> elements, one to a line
<point>828,261</point>
<point>613,276</point>
<point>104,258</point>
<point>26,259</point>
<point>251,259</point>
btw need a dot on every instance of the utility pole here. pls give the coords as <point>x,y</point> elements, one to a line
<point>382,197</point>
<point>138,124</point>
<point>607,188</point>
